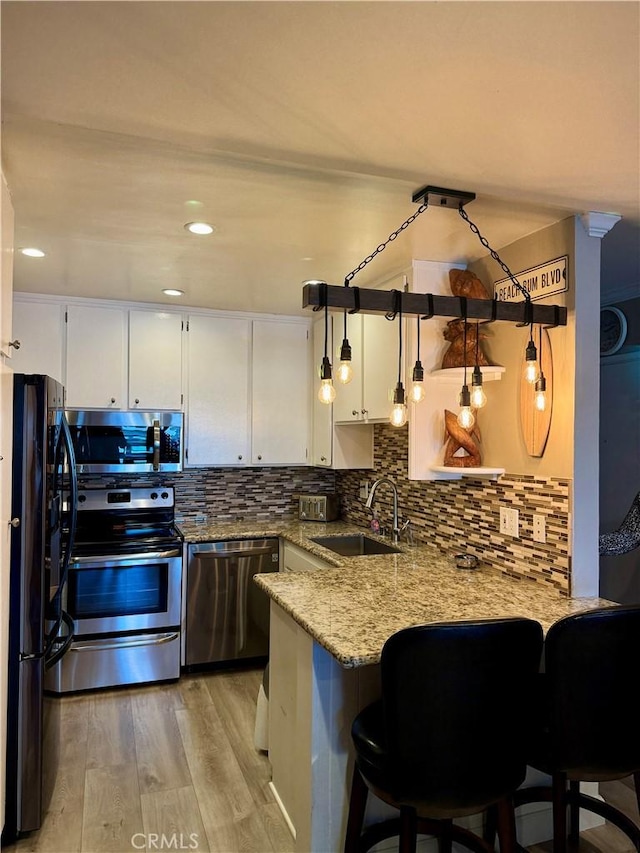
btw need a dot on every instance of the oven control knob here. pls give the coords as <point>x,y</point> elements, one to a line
<point>164,495</point>
<point>154,496</point>
<point>81,498</point>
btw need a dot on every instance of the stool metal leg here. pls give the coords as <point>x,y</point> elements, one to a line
<point>559,786</point>
<point>507,825</point>
<point>445,839</point>
<point>408,830</point>
<point>574,813</point>
<point>357,806</point>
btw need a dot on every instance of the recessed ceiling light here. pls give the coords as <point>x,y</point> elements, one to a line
<point>32,252</point>
<point>170,291</point>
<point>199,227</point>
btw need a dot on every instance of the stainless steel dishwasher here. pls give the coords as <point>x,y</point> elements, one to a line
<point>227,614</point>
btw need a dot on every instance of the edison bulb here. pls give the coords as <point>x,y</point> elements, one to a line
<point>541,401</point>
<point>478,397</point>
<point>531,371</point>
<point>398,416</point>
<point>327,393</point>
<point>345,372</point>
<point>466,418</point>
<point>417,392</point>
<point>540,396</point>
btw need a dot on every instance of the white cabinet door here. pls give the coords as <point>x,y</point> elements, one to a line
<point>369,395</point>
<point>281,393</point>
<point>218,393</point>
<point>6,270</point>
<point>155,360</point>
<point>348,404</point>
<point>39,326</point>
<point>380,366</point>
<point>95,357</point>
<point>322,413</point>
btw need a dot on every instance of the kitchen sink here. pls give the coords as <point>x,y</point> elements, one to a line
<point>355,545</point>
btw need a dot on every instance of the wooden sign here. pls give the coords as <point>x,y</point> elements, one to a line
<point>535,423</point>
<point>541,281</point>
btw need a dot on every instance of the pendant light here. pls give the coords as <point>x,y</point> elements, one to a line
<point>478,397</point>
<point>326,393</point>
<point>531,368</point>
<point>541,384</point>
<point>417,388</point>
<point>345,370</point>
<point>398,417</point>
<point>466,417</point>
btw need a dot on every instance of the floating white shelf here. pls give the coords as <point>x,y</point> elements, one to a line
<point>455,473</point>
<point>456,374</point>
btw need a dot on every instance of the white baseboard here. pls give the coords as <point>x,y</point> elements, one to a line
<point>285,814</point>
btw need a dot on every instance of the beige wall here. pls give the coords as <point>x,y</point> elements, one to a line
<point>572,448</point>
<point>505,345</point>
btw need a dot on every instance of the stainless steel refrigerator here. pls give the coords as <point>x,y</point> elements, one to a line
<point>44,497</point>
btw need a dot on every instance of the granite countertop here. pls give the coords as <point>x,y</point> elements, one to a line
<point>351,607</point>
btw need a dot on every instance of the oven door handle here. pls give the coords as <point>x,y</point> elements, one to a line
<point>123,642</point>
<point>156,445</point>
<point>120,558</point>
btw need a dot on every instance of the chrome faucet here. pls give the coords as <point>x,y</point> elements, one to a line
<point>369,502</point>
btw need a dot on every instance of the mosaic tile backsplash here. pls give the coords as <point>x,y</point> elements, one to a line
<point>233,494</point>
<point>463,515</point>
<point>455,515</point>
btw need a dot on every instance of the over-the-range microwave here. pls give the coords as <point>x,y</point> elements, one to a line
<point>107,441</point>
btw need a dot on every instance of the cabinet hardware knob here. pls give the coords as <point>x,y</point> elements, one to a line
<point>15,522</point>
<point>136,401</point>
<point>16,344</point>
<point>113,399</point>
<point>354,412</point>
<point>364,411</point>
<point>1,458</point>
<point>240,456</point>
<point>259,457</point>
<point>323,458</point>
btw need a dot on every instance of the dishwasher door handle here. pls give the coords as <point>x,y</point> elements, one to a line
<point>222,555</point>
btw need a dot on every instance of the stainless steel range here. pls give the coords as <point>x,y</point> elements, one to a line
<point>123,591</point>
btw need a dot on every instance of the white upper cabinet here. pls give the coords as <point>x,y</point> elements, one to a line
<point>218,366</point>
<point>322,413</point>
<point>39,326</point>
<point>374,345</point>
<point>96,357</point>
<point>155,360</point>
<point>7,335</point>
<point>281,393</point>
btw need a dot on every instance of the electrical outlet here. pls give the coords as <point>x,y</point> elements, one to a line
<point>509,521</point>
<point>364,489</point>
<point>539,529</point>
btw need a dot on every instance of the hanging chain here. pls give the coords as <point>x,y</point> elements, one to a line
<point>384,245</point>
<point>494,254</point>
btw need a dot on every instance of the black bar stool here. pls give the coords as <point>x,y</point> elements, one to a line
<point>588,725</point>
<point>448,736</point>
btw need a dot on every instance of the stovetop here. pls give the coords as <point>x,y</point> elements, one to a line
<point>125,521</point>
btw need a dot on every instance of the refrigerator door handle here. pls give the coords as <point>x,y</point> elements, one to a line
<point>66,644</point>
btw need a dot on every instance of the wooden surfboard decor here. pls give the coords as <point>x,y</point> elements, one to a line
<point>536,424</point>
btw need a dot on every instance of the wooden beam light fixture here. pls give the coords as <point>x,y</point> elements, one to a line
<point>352,299</point>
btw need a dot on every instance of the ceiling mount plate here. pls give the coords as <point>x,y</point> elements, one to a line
<point>440,197</point>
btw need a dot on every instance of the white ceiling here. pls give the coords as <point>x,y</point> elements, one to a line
<point>300,131</point>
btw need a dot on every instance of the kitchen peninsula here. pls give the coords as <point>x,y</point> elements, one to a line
<point>328,627</point>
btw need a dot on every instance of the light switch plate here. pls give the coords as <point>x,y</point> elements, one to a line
<point>539,529</point>
<point>509,521</point>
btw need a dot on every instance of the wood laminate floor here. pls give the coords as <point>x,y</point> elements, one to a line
<point>178,760</point>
